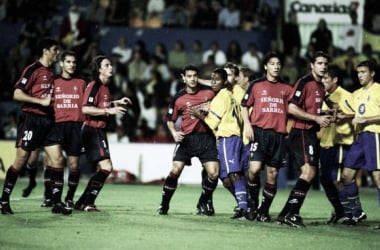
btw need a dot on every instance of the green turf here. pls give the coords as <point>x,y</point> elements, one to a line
<point>128,220</point>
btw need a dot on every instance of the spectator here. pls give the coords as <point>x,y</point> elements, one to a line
<point>136,69</point>
<point>194,56</point>
<point>155,7</point>
<point>234,52</point>
<point>265,16</point>
<point>351,35</point>
<point>321,38</point>
<point>73,32</point>
<point>229,17</point>
<point>290,34</point>
<point>136,19</point>
<point>252,58</point>
<point>123,50</point>
<point>177,56</point>
<point>205,16</point>
<point>141,47</point>
<point>175,16</point>
<point>161,52</point>
<point>157,65</point>
<point>117,13</point>
<point>219,55</point>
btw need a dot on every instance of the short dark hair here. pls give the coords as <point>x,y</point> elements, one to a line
<point>221,72</point>
<point>67,53</point>
<point>270,55</point>
<point>45,43</point>
<point>370,64</point>
<point>319,54</point>
<point>190,67</point>
<point>233,67</point>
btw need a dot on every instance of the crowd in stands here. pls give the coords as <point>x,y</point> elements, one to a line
<point>151,78</point>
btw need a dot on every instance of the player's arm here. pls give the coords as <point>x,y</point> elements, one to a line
<point>247,123</point>
<point>322,120</point>
<point>366,120</point>
<point>204,82</point>
<point>21,96</point>
<point>95,111</point>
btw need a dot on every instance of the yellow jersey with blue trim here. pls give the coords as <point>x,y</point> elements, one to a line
<point>367,104</point>
<point>222,117</point>
<point>341,132</point>
<point>238,93</point>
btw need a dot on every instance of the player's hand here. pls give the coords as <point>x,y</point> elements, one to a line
<point>117,111</point>
<point>46,101</point>
<point>196,113</point>
<point>248,130</point>
<point>178,136</point>
<point>124,101</point>
<point>323,120</point>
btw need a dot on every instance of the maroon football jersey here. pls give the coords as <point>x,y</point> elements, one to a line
<point>36,81</point>
<point>270,104</point>
<point>308,95</point>
<point>180,104</point>
<point>68,99</point>
<point>98,95</point>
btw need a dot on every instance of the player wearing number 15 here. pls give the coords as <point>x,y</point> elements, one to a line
<point>36,126</point>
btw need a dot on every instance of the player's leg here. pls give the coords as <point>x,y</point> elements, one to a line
<point>55,159</point>
<point>269,192</point>
<point>253,187</point>
<point>31,170</point>
<point>170,186</point>
<point>11,179</point>
<point>73,180</point>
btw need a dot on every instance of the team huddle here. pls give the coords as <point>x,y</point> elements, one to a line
<point>234,124</point>
<point>256,121</point>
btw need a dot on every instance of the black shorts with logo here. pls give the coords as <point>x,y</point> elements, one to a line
<point>268,147</point>
<point>70,134</point>
<point>95,143</point>
<point>35,131</point>
<point>200,145</point>
<point>303,147</point>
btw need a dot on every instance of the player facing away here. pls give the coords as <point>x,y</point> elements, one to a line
<point>265,126</point>
<point>97,106</point>
<point>36,126</point>
<point>305,106</point>
<point>364,152</point>
<point>193,139</point>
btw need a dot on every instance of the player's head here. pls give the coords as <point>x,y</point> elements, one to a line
<point>232,72</point>
<point>331,78</point>
<point>366,72</point>
<point>101,65</point>
<point>68,63</point>
<point>190,76</point>
<point>272,65</point>
<point>49,48</point>
<point>219,79</point>
<point>319,63</point>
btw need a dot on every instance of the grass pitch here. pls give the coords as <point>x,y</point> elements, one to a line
<point>128,220</point>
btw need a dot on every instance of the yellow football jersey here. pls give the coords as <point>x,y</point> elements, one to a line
<point>367,104</point>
